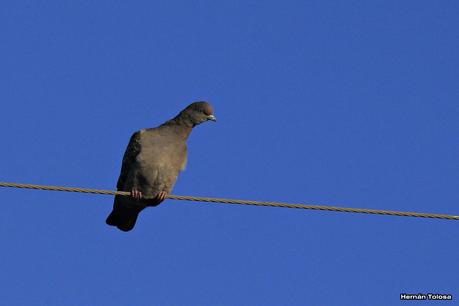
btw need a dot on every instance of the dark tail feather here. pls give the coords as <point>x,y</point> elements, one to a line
<point>123,217</point>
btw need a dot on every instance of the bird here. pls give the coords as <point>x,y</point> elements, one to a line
<point>152,162</point>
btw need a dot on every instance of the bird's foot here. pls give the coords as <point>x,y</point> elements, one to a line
<point>161,196</point>
<point>136,194</point>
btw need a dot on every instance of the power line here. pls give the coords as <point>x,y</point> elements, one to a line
<point>240,202</point>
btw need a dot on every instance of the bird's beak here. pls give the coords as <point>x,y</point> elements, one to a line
<point>212,118</point>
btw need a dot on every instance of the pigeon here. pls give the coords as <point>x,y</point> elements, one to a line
<point>152,161</point>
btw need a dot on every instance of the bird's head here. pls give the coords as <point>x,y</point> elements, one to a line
<point>199,112</point>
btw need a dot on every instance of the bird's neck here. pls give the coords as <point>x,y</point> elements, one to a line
<point>182,126</point>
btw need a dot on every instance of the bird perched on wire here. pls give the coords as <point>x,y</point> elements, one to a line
<point>152,161</point>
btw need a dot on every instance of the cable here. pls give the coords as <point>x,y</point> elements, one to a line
<point>241,202</point>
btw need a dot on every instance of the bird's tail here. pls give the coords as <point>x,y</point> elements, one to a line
<point>123,217</point>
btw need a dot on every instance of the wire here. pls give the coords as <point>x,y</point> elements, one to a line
<point>241,202</point>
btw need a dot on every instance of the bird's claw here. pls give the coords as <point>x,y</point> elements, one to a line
<point>136,194</point>
<point>161,196</point>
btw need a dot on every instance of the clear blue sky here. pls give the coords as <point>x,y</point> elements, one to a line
<point>347,103</point>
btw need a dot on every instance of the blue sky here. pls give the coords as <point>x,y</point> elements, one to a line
<point>346,103</point>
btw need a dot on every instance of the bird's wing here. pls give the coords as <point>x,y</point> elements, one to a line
<point>129,158</point>
<point>184,159</point>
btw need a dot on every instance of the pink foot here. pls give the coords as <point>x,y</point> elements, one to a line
<point>161,196</point>
<point>136,194</point>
